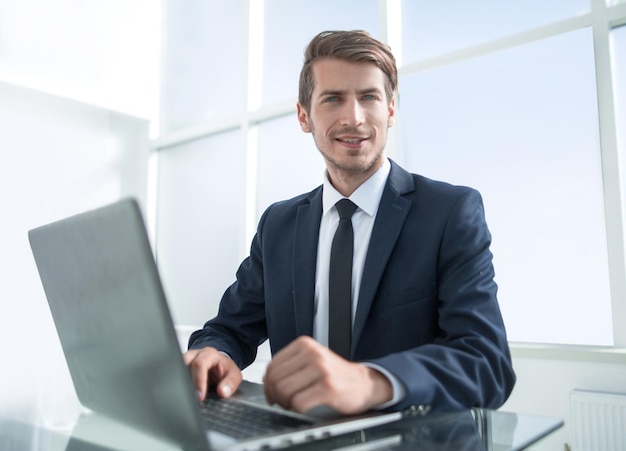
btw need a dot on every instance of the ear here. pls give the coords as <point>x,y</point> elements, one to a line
<point>392,112</point>
<point>303,118</point>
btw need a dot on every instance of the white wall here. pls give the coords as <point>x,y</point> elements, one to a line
<point>57,158</point>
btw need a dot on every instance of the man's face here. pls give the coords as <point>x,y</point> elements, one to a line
<point>349,115</point>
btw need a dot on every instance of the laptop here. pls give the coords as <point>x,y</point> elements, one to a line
<point>112,318</point>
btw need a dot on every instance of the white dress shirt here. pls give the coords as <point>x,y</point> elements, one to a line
<point>367,199</point>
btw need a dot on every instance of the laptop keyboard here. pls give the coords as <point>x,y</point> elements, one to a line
<point>241,420</point>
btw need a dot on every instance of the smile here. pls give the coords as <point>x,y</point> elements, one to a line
<point>351,140</point>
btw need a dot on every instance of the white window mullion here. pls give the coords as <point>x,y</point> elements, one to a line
<point>253,102</point>
<point>613,195</point>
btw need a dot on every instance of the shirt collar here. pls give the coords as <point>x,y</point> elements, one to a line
<point>366,197</point>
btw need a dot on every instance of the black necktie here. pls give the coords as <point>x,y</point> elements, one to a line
<point>340,282</point>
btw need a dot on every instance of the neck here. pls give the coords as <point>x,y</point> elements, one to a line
<point>347,181</point>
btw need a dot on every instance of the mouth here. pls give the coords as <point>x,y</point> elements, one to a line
<point>351,140</point>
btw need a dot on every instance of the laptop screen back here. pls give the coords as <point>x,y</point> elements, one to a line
<point>105,296</point>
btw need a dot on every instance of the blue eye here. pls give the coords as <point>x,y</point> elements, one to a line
<point>331,99</point>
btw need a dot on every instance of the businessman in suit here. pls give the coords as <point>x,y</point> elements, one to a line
<point>426,329</point>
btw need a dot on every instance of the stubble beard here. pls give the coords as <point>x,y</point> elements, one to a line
<point>355,166</point>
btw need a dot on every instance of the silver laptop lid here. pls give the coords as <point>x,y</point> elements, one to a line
<point>110,312</point>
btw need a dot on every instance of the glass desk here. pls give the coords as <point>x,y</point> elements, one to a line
<point>469,430</point>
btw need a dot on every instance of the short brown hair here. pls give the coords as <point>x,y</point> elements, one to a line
<point>355,46</point>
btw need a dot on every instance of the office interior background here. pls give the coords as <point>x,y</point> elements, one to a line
<point>189,106</point>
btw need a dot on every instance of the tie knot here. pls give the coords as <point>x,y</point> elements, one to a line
<point>346,208</point>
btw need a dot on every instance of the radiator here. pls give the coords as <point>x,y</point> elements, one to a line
<point>598,421</point>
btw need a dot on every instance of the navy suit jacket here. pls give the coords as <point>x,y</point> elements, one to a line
<point>427,309</point>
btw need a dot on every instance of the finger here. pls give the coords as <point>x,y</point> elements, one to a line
<point>267,390</point>
<point>189,356</point>
<point>312,396</point>
<point>201,364</point>
<point>230,379</point>
<point>292,358</point>
<point>285,363</point>
<point>286,390</point>
<point>199,378</point>
<point>297,346</point>
<point>196,375</point>
<point>283,382</point>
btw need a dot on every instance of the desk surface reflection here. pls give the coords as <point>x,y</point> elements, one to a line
<point>477,429</point>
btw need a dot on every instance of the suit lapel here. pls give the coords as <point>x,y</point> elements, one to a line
<point>392,213</point>
<point>305,261</point>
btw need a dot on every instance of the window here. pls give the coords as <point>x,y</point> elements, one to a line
<point>301,166</point>
<point>434,28</point>
<point>521,126</point>
<point>290,25</point>
<point>201,198</point>
<point>205,63</point>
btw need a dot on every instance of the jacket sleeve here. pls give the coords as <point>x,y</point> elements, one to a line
<point>468,364</point>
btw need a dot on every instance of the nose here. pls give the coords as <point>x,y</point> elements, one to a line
<point>352,113</point>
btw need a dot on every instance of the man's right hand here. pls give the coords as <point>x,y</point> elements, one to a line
<point>208,366</point>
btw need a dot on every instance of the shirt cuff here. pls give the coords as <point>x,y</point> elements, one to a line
<point>399,390</point>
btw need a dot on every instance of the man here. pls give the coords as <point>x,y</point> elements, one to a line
<point>426,326</point>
